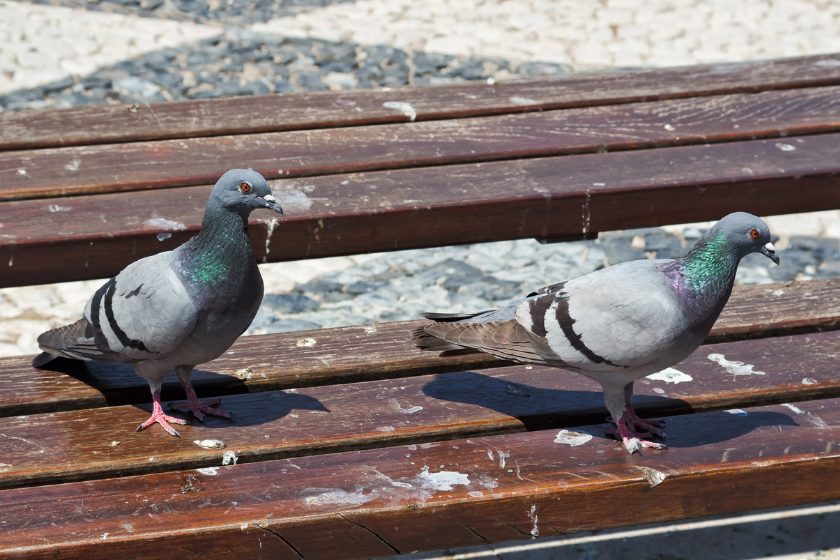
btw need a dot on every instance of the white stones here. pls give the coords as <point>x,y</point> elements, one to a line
<point>46,43</point>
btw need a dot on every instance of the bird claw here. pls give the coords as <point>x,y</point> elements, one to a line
<point>163,419</point>
<point>199,409</point>
<point>636,441</point>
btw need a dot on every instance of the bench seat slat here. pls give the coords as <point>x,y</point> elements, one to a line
<point>96,236</point>
<point>364,353</point>
<point>74,445</point>
<point>200,161</point>
<point>445,494</point>
<point>98,125</point>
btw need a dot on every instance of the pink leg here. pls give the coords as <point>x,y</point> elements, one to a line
<point>651,426</point>
<point>198,408</point>
<point>161,418</point>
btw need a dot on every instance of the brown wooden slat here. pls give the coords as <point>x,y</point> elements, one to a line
<point>197,161</point>
<point>441,495</point>
<point>77,445</point>
<point>96,236</point>
<point>98,125</point>
<point>364,353</point>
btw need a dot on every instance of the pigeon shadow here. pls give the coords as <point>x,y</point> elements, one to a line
<point>119,384</point>
<point>253,409</point>
<point>540,409</point>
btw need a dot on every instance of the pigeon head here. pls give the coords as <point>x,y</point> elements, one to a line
<point>242,191</point>
<point>746,234</point>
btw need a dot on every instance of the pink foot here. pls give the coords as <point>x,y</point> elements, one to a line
<point>651,426</point>
<point>199,409</point>
<point>631,440</point>
<point>161,418</point>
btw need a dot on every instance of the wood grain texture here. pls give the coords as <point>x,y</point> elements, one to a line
<point>74,171</point>
<point>458,493</point>
<point>363,353</point>
<point>78,445</point>
<point>81,237</point>
<point>99,125</point>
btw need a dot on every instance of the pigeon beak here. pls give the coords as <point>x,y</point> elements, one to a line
<point>770,252</point>
<point>271,204</point>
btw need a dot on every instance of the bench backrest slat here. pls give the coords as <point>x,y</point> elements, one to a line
<point>245,115</point>
<point>77,238</point>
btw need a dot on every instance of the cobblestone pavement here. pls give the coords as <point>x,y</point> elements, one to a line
<point>62,53</point>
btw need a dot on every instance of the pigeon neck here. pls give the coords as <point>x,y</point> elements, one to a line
<point>220,253</point>
<point>704,276</point>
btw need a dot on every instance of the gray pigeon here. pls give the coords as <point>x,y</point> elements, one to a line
<point>617,324</point>
<point>177,308</point>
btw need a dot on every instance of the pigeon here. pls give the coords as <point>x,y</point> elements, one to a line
<point>617,324</point>
<point>179,308</point>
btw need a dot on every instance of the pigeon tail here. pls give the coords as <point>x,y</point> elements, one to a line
<point>73,341</point>
<point>506,340</point>
<point>426,341</point>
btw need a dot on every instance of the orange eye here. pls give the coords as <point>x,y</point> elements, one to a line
<point>245,187</point>
<point>755,234</point>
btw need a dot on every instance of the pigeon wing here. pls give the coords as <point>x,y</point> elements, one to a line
<point>621,317</point>
<point>143,313</point>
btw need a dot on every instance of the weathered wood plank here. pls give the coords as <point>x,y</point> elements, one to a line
<point>78,445</point>
<point>363,353</point>
<point>457,493</point>
<point>75,171</point>
<point>129,123</point>
<point>96,236</point>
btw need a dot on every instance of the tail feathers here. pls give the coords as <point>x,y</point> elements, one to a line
<point>455,317</point>
<point>507,340</point>
<point>75,341</point>
<point>426,341</point>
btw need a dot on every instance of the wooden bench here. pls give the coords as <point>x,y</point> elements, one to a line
<point>350,443</point>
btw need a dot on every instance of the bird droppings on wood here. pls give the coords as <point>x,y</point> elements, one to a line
<point>209,471</point>
<point>670,128</point>
<point>114,443</point>
<point>56,208</point>
<point>670,375</point>
<point>269,229</point>
<point>229,457</point>
<point>653,476</point>
<point>778,293</point>
<point>163,223</point>
<point>533,516</point>
<point>5,467</point>
<point>210,443</point>
<point>786,147</point>
<point>572,438</point>
<point>516,100</point>
<point>371,329</point>
<point>191,485</point>
<point>809,381</point>
<point>405,108</point>
<point>244,373</point>
<point>735,368</point>
<point>385,429</point>
<point>305,342</point>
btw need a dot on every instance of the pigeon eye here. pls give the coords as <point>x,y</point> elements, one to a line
<point>245,188</point>
<point>755,234</point>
